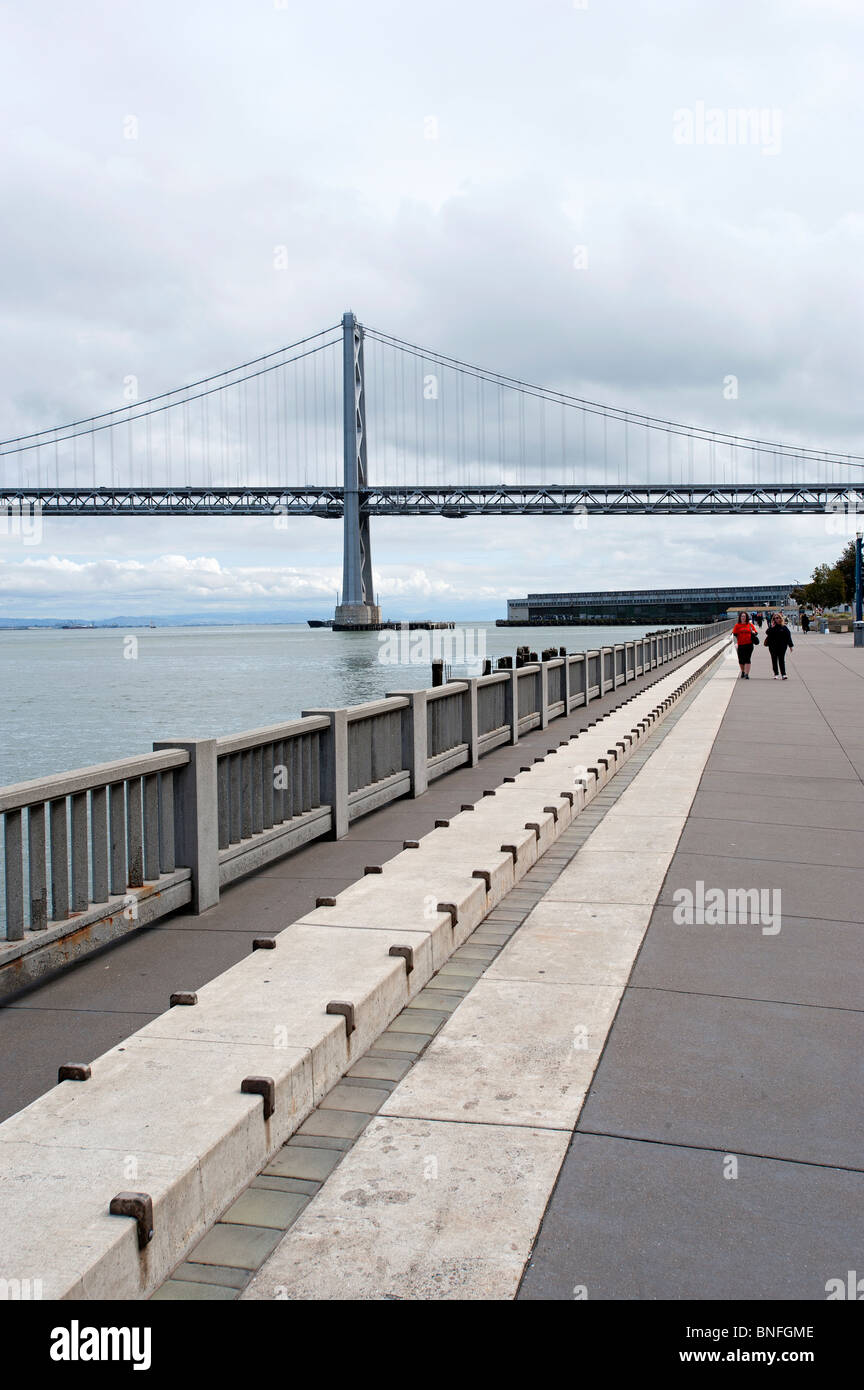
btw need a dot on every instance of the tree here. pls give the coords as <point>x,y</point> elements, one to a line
<point>826,587</point>
<point>846,569</point>
<point>830,584</point>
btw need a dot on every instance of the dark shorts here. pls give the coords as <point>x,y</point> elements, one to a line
<point>745,653</point>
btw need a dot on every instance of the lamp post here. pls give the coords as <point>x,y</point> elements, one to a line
<point>858,625</point>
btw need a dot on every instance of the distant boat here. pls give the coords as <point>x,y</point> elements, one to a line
<point>320,622</point>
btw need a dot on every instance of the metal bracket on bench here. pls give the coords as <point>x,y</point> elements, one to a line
<point>138,1205</point>
<point>339,1006</point>
<point>183,996</point>
<point>263,1086</point>
<point>407,954</point>
<point>452,909</point>
<point>265,943</point>
<point>73,1071</point>
<point>486,877</point>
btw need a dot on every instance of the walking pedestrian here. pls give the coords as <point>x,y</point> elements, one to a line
<point>758,617</point>
<point>805,622</point>
<point>778,639</point>
<point>745,635</point>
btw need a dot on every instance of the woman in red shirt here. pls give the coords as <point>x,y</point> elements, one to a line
<point>744,632</point>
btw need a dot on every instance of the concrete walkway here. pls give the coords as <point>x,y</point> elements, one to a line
<point>89,1008</point>
<point>660,1108</point>
<point>718,1154</point>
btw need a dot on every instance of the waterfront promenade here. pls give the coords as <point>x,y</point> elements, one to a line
<point>92,1006</point>
<point>584,1098</point>
<point>715,1152</point>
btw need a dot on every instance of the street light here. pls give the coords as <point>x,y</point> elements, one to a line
<point>858,625</point>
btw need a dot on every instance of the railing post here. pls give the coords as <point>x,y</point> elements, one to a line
<point>513,704</point>
<point>565,681</point>
<point>544,694</point>
<point>415,741</point>
<point>470,721</point>
<point>334,767</point>
<point>196,817</point>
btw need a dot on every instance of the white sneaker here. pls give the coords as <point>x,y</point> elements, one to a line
<point>777,678</point>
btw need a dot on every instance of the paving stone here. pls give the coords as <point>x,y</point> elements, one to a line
<point>438,999</point>
<point>184,1291</point>
<point>306,1163</point>
<point>400,1042</point>
<point>461,970</point>
<point>362,1098</point>
<point>357,1081</point>
<point>314,1141</point>
<point>260,1207</point>
<point>240,1247</point>
<point>424,1021</point>
<point>340,1124</point>
<point>455,984</point>
<point>383,1068</point>
<point>212,1274</point>
<point>286,1185</point>
<point>387,1054</point>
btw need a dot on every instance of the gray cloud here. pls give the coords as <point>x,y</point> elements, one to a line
<point>261,127</point>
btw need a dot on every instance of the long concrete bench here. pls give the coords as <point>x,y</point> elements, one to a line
<point>186,1110</point>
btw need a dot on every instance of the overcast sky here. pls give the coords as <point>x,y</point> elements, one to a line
<point>433,168</point>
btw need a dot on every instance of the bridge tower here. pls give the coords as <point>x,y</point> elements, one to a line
<point>358,608</point>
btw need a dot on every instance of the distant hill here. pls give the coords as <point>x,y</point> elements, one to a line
<point>163,620</point>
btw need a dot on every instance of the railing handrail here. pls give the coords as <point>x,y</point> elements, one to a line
<point>42,789</point>
<point>439,692</point>
<point>374,707</point>
<point>270,733</point>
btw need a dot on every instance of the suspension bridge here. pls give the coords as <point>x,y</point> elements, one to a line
<point>290,434</point>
